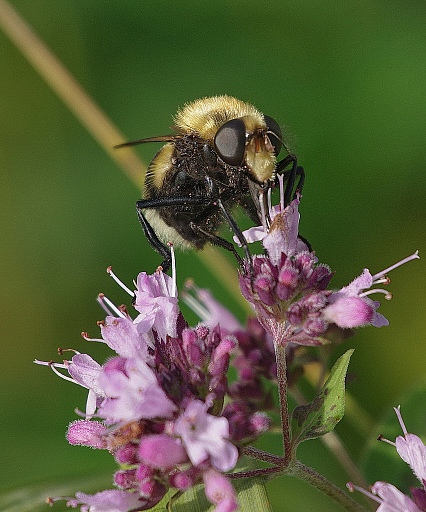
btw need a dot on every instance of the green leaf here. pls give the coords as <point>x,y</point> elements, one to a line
<point>327,409</point>
<point>251,495</point>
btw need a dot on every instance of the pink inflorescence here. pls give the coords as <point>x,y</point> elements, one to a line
<point>159,406</point>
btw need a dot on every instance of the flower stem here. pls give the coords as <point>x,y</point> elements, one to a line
<point>318,481</point>
<point>282,390</point>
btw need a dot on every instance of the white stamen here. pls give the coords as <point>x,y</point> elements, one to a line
<point>119,282</point>
<point>352,487</point>
<point>401,422</point>
<point>382,280</point>
<point>86,337</point>
<point>110,308</point>
<point>54,367</point>
<point>384,440</point>
<point>414,256</point>
<point>196,306</point>
<point>48,363</point>
<point>262,211</point>
<point>172,252</point>
<point>59,374</point>
<point>386,293</point>
<point>281,181</point>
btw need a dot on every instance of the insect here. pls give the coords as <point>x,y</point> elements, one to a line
<point>223,153</point>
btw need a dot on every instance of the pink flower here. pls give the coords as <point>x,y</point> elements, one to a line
<point>412,451</point>
<point>123,336</point>
<point>156,300</point>
<point>108,501</point>
<point>132,392</point>
<point>205,436</point>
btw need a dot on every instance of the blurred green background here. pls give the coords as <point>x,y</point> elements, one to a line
<point>347,79</point>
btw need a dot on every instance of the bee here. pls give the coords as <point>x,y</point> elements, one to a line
<point>223,154</point>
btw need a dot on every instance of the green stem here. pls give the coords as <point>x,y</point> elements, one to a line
<point>321,483</point>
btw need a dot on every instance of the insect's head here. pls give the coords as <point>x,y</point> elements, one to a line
<point>250,143</point>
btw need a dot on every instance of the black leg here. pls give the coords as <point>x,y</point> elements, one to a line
<point>217,240</point>
<point>237,232</point>
<point>150,234</point>
<point>290,175</point>
<point>153,239</point>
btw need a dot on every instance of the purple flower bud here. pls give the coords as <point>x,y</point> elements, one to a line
<point>191,347</point>
<point>183,480</point>
<point>127,454</point>
<point>87,433</point>
<point>219,491</point>
<point>161,451</point>
<point>220,358</point>
<point>260,423</point>
<point>125,478</point>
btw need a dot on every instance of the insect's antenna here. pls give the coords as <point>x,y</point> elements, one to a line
<point>160,138</point>
<point>285,146</point>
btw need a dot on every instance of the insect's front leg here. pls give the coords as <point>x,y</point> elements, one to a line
<point>291,175</point>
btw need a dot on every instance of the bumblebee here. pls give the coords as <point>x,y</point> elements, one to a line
<point>223,153</point>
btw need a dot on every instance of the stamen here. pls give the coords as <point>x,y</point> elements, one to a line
<point>110,308</point>
<point>352,487</point>
<point>65,377</point>
<point>414,256</point>
<point>281,182</point>
<point>172,252</point>
<point>262,211</point>
<point>119,282</point>
<point>196,306</point>
<point>388,295</point>
<point>85,336</point>
<point>384,440</point>
<point>269,199</point>
<point>382,280</point>
<point>401,422</point>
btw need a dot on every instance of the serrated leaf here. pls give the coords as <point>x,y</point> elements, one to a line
<point>322,415</point>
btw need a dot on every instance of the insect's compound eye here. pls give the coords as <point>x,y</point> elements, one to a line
<point>274,134</point>
<point>230,142</point>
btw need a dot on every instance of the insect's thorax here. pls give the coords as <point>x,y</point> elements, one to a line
<point>193,170</point>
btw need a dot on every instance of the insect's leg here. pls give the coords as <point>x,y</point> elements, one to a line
<point>237,231</point>
<point>153,239</point>
<point>290,175</point>
<point>217,240</point>
<point>150,233</point>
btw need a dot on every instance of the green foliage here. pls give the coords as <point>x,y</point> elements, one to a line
<point>327,409</point>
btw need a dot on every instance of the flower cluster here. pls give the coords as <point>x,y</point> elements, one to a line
<point>158,405</point>
<point>412,451</point>
<point>288,286</point>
